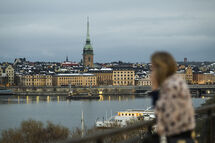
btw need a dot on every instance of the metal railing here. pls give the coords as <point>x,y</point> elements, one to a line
<point>209,137</point>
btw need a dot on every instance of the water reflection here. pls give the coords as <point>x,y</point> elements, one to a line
<point>48,99</point>
<point>27,99</point>
<point>58,109</point>
<point>37,99</point>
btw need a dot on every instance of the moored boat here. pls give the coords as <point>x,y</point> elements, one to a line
<point>124,118</point>
<point>4,91</point>
<point>77,96</point>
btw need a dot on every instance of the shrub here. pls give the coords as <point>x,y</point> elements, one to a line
<point>32,131</point>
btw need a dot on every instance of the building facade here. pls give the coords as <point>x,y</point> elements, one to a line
<point>206,78</point>
<point>3,77</point>
<point>10,73</point>
<point>1,71</point>
<point>103,76</point>
<point>181,74</point>
<point>123,77</point>
<point>189,75</point>
<point>36,80</point>
<point>74,79</point>
<point>146,81</point>
<point>88,50</point>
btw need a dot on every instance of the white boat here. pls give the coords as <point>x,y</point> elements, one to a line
<point>124,118</point>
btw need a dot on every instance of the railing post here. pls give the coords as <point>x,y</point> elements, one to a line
<point>210,124</point>
<point>212,127</point>
<point>99,140</point>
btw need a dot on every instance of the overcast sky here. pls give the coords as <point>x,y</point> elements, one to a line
<point>127,30</point>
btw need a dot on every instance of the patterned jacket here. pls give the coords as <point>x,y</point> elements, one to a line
<point>174,110</point>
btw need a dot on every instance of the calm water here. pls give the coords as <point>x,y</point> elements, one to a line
<point>13,110</point>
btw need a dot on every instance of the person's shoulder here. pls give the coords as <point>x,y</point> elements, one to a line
<point>173,81</point>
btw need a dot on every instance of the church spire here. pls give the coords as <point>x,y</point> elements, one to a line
<point>88,31</point>
<point>88,49</point>
<point>88,43</point>
<point>67,59</point>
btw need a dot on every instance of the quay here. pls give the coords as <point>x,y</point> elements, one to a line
<point>196,90</point>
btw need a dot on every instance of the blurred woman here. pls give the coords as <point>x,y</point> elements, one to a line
<point>171,98</point>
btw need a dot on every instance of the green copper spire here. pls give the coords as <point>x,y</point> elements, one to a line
<point>88,48</point>
<point>88,31</point>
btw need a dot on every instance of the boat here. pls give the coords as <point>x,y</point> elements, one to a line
<point>144,94</point>
<point>77,96</point>
<point>4,91</point>
<point>124,118</point>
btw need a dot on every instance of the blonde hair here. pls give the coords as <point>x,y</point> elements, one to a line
<point>164,65</point>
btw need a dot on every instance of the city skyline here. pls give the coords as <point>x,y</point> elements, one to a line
<point>122,30</point>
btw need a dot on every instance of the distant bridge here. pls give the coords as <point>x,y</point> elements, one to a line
<point>196,90</point>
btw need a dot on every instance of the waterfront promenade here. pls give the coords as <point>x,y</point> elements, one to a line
<point>196,90</point>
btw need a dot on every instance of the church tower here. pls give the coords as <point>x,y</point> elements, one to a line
<point>88,50</point>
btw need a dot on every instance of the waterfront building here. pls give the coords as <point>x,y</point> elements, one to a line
<point>74,79</point>
<point>189,75</point>
<point>181,74</point>
<point>88,50</point>
<point>9,70</point>
<point>36,80</point>
<point>145,81</point>
<point>3,77</point>
<point>203,78</point>
<point>186,74</point>
<point>123,76</point>
<point>104,76</point>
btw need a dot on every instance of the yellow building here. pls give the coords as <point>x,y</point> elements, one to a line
<point>181,74</point>
<point>10,74</point>
<point>104,76</point>
<point>36,80</point>
<point>189,75</point>
<point>123,77</point>
<point>146,81</point>
<point>3,77</point>
<point>75,79</point>
<point>206,78</point>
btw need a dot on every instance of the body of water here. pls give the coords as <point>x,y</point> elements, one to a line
<point>59,110</point>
